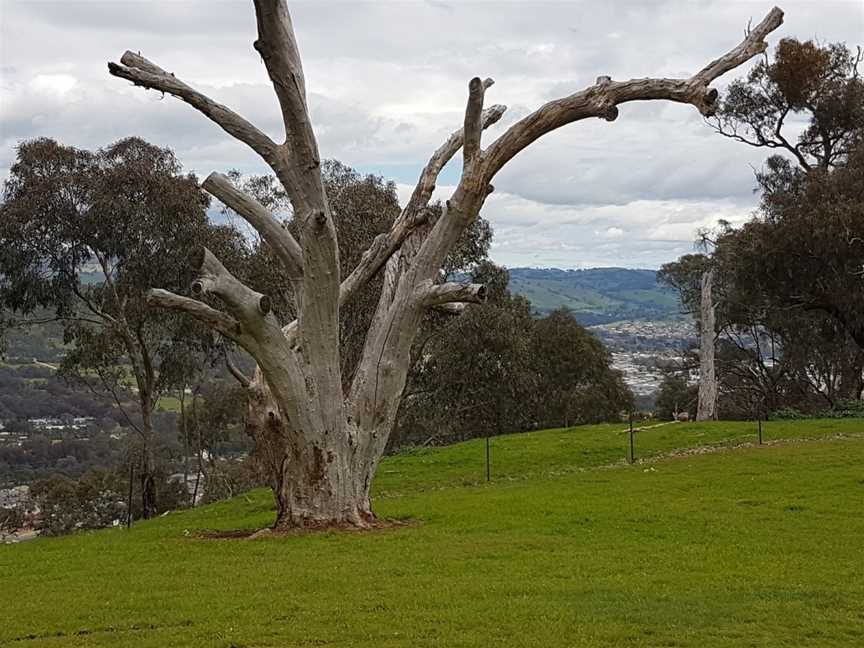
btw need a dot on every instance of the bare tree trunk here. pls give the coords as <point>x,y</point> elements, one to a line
<point>148,466</point>
<point>322,442</point>
<point>706,410</point>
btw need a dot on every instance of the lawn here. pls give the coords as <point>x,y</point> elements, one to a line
<point>168,404</point>
<point>567,546</point>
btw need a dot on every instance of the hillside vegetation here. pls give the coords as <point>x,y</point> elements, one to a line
<point>597,295</point>
<point>567,546</point>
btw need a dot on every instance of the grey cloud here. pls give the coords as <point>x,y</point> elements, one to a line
<point>387,83</point>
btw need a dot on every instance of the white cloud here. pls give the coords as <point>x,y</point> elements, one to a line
<point>58,84</point>
<point>384,94</point>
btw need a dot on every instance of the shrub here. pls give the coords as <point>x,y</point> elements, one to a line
<point>845,409</point>
<point>788,414</point>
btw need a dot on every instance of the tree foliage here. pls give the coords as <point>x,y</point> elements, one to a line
<point>497,369</point>
<point>84,234</point>
<point>788,286</point>
<point>820,83</point>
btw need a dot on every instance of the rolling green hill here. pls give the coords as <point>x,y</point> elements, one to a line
<point>597,295</point>
<point>707,542</point>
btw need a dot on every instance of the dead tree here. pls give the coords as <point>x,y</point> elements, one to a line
<point>706,410</point>
<point>329,441</point>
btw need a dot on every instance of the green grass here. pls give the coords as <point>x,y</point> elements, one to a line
<point>550,453</point>
<point>568,546</point>
<point>168,404</point>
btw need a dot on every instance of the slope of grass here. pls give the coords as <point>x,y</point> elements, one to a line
<point>553,452</point>
<point>756,546</point>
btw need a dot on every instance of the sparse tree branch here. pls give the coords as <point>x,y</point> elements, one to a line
<point>215,319</point>
<point>473,128</point>
<point>264,342</point>
<point>242,378</point>
<point>753,44</point>
<point>277,46</point>
<point>446,293</point>
<point>601,99</point>
<point>137,69</point>
<point>272,231</point>
<point>452,308</point>
<point>414,214</point>
<point>429,176</point>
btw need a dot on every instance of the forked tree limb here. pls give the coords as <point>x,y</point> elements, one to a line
<point>137,69</point>
<point>263,339</point>
<point>601,99</point>
<point>387,343</point>
<point>414,213</point>
<point>277,46</point>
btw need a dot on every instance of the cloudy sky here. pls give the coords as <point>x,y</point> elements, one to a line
<point>387,82</point>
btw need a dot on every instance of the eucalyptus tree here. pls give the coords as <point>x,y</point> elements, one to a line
<point>333,437</point>
<point>472,375</point>
<point>819,83</point>
<point>83,236</point>
<point>802,251</point>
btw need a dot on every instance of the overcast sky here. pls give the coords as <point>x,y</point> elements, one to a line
<point>387,82</point>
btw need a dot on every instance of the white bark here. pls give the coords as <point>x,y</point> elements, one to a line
<point>323,445</point>
<point>706,410</point>
<point>271,230</point>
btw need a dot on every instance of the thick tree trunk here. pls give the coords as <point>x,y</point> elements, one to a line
<point>706,410</point>
<point>319,489</point>
<point>315,485</point>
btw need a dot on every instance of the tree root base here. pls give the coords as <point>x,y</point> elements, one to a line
<point>309,526</point>
<point>377,524</point>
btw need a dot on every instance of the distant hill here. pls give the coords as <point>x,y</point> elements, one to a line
<point>597,295</point>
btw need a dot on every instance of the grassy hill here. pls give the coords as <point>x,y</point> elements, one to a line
<point>597,295</point>
<point>708,541</point>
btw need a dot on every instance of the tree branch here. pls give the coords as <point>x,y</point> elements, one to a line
<point>474,119</point>
<point>601,99</point>
<point>446,293</point>
<point>414,214</point>
<point>452,308</point>
<point>244,380</point>
<point>245,304</point>
<point>277,45</point>
<point>272,231</point>
<point>137,69</point>
<point>753,44</point>
<point>215,319</point>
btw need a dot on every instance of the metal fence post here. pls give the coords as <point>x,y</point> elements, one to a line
<point>488,470</point>
<point>632,454</point>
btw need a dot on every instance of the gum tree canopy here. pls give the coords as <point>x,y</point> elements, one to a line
<point>332,438</point>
